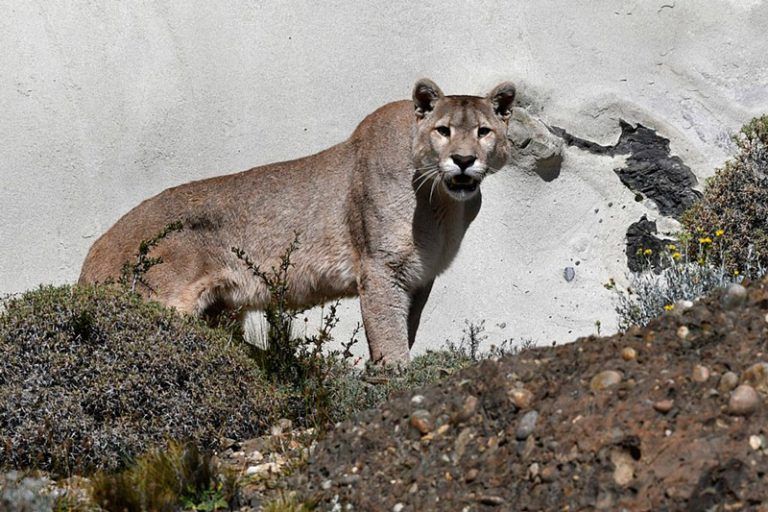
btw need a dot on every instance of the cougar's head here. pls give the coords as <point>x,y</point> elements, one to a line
<point>459,140</point>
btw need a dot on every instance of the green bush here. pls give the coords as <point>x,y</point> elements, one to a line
<point>162,480</point>
<point>91,376</point>
<point>732,215</point>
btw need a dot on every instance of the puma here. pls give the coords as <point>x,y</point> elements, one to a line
<point>379,215</point>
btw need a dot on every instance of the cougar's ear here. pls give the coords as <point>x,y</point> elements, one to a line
<point>425,94</point>
<point>501,97</point>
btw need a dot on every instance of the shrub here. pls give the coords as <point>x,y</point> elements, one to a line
<point>91,376</point>
<point>163,480</point>
<point>733,213</point>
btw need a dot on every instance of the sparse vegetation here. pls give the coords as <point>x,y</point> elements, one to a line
<point>91,376</point>
<point>163,480</point>
<point>734,209</point>
<point>133,273</point>
<point>724,237</point>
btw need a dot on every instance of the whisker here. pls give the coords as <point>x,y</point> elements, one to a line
<point>434,183</point>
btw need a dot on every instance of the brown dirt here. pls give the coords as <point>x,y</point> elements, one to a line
<point>658,440</point>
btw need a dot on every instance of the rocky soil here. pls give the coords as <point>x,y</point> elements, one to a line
<point>668,417</point>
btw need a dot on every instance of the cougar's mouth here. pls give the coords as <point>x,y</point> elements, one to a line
<point>462,184</point>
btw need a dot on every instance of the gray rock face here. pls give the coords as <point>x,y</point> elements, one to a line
<point>650,168</point>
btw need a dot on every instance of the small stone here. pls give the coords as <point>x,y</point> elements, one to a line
<point>623,465</point>
<point>757,377</point>
<point>527,425</point>
<point>604,380</point>
<point>664,406</point>
<point>493,501</point>
<point>326,485</point>
<point>417,399</point>
<point>548,474</point>
<point>569,273</point>
<point>728,382</point>
<point>756,442</point>
<point>421,420</point>
<point>471,475</point>
<point>682,305</point>
<point>468,408</point>
<point>683,332</point>
<point>521,397</point>
<point>744,400</point>
<point>735,295</point>
<point>533,471</point>
<point>398,507</point>
<point>700,373</point>
<point>260,469</point>
<point>628,354</point>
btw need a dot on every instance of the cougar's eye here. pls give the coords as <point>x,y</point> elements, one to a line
<point>483,131</point>
<point>443,130</point>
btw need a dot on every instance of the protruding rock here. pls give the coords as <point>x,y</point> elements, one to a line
<point>744,401</point>
<point>734,296</point>
<point>628,354</point>
<point>521,397</point>
<point>421,420</point>
<point>728,382</point>
<point>664,406</point>
<point>527,425</point>
<point>700,373</point>
<point>605,380</point>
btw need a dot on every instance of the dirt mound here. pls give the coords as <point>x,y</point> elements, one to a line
<point>668,417</point>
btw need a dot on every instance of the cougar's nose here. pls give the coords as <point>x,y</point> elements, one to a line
<point>464,162</point>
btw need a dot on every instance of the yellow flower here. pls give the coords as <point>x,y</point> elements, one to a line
<point>720,232</point>
<point>676,256</point>
<point>736,272</point>
<point>706,240</point>
<point>669,307</point>
<point>648,252</point>
<point>671,247</point>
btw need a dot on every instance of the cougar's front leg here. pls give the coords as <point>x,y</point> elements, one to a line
<point>385,306</point>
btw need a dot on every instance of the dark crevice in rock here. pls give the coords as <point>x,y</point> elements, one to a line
<point>650,169</point>
<point>641,235</point>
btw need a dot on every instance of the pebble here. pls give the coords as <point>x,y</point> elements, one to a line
<point>682,305</point>
<point>471,475</point>
<point>398,507</point>
<point>417,399</point>
<point>683,332</point>
<point>728,382</point>
<point>735,295</point>
<point>326,485</point>
<point>604,380</point>
<point>664,406</point>
<point>468,408</point>
<point>527,425</point>
<point>421,420</point>
<point>533,471</point>
<point>756,442</point>
<point>569,273</point>
<point>521,397</point>
<point>628,354</point>
<point>744,400</point>
<point>548,474</point>
<point>493,501</point>
<point>757,377</point>
<point>700,373</point>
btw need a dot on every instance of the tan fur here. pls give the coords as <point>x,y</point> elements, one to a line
<point>375,217</point>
